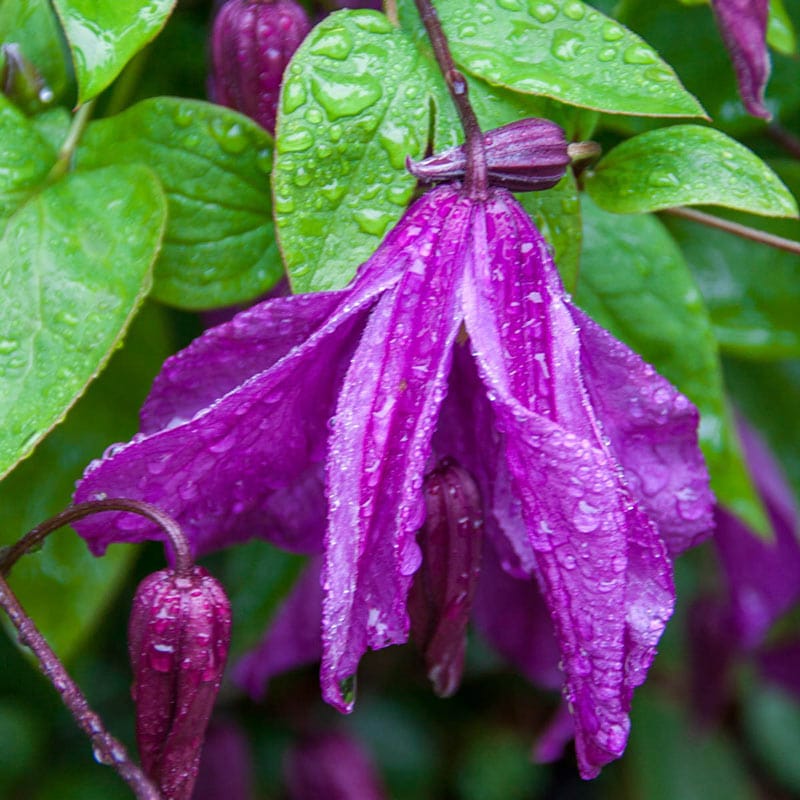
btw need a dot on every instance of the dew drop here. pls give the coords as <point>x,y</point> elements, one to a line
<point>566,45</point>
<point>373,221</point>
<point>344,95</point>
<point>294,95</point>
<point>231,138</point>
<point>612,32</point>
<point>333,43</point>
<point>607,54</point>
<point>663,179</point>
<point>574,10</point>
<point>510,5</point>
<point>544,12</point>
<point>8,346</point>
<point>639,54</point>
<point>295,141</point>
<point>183,116</point>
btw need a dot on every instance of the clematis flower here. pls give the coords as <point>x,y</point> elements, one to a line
<point>455,338</point>
<point>760,585</point>
<point>743,25</point>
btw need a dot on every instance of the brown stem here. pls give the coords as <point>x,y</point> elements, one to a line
<point>476,178</point>
<point>107,749</point>
<point>34,537</point>
<point>755,235</point>
<point>785,138</point>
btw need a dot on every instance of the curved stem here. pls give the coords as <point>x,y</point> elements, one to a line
<point>107,749</point>
<point>744,231</point>
<point>476,178</point>
<point>79,122</point>
<point>34,537</point>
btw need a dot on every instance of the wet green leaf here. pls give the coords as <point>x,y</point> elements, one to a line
<point>780,31</point>
<point>219,246</point>
<point>26,158</point>
<point>103,37</point>
<point>751,290</point>
<point>563,49</point>
<point>635,283</point>
<point>76,263</point>
<point>64,587</point>
<point>355,102</point>
<point>686,165</point>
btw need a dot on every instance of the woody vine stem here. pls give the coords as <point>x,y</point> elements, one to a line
<point>107,749</point>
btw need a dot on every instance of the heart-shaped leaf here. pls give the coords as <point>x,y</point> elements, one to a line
<point>75,264</point>
<point>687,165</point>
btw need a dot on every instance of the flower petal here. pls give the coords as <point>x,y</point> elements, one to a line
<point>653,432</point>
<point>293,638</point>
<point>380,444</point>
<point>216,471</point>
<point>603,569</point>
<point>743,25</point>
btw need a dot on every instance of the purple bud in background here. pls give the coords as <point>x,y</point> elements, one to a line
<point>226,766</point>
<point>251,43</point>
<point>178,639</point>
<point>525,156</point>
<point>743,25</point>
<point>440,599</point>
<point>21,82</point>
<point>333,767</point>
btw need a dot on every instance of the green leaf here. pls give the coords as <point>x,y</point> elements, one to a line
<point>103,37</point>
<point>635,283</point>
<point>33,25</point>
<point>780,31</point>
<point>64,587</point>
<point>686,165</point>
<point>76,263</point>
<point>557,214</point>
<point>219,247</point>
<point>355,102</point>
<point>25,159</point>
<point>566,50</point>
<point>751,290</point>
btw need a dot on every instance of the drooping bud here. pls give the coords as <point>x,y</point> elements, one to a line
<point>251,43</point>
<point>333,766</point>
<point>21,82</point>
<point>525,156</point>
<point>440,599</point>
<point>178,639</point>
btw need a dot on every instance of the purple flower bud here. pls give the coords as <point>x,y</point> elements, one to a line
<point>178,639</point>
<point>332,766</point>
<point>251,44</point>
<point>525,156</point>
<point>21,82</point>
<point>440,599</point>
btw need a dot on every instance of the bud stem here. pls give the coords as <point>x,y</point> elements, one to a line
<point>34,537</point>
<point>79,122</point>
<point>107,749</point>
<point>744,231</point>
<point>476,178</point>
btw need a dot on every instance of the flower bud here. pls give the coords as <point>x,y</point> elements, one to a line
<point>251,43</point>
<point>525,156</point>
<point>440,599</point>
<point>21,82</point>
<point>178,639</point>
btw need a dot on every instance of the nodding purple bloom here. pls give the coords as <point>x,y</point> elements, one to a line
<point>761,583</point>
<point>455,339</point>
<point>251,43</point>
<point>178,638</point>
<point>333,766</point>
<point>743,25</point>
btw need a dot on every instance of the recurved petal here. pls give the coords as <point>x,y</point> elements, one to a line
<point>292,640</point>
<point>653,433</point>
<point>380,444</point>
<point>743,25</point>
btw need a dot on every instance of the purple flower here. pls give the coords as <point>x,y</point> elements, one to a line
<point>454,339</point>
<point>331,766</point>
<point>761,583</point>
<point>743,25</point>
